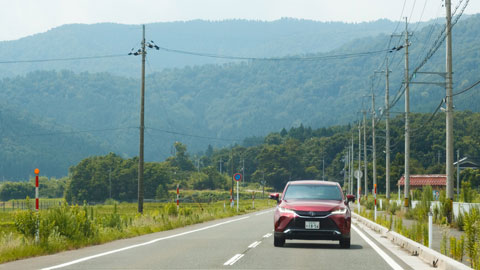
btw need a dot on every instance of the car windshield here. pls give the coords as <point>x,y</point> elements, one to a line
<point>313,192</point>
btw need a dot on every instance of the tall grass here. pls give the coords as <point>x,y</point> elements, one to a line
<point>67,227</point>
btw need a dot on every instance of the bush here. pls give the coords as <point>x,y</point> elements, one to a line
<point>472,231</point>
<point>170,209</point>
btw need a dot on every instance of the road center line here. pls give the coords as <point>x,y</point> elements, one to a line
<point>142,244</point>
<point>267,235</point>
<point>234,259</point>
<point>380,252</point>
<point>254,244</point>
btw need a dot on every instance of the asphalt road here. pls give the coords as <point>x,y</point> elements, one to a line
<point>242,242</point>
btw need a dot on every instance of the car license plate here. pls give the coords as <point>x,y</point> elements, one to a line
<point>312,225</point>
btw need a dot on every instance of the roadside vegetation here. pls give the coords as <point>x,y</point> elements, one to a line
<point>68,227</point>
<point>467,246</point>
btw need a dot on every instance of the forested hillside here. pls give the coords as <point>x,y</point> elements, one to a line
<point>232,37</point>
<point>223,104</point>
<point>29,142</point>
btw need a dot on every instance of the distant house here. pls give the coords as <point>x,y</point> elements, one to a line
<point>417,181</point>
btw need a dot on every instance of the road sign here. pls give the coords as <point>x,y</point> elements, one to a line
<point>358,174</point>
<point>237,177</point>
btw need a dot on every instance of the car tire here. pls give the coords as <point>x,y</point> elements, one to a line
<point>278,241</point>
<point>345,243</point>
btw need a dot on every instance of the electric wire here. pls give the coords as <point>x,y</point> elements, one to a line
<point>63,59</point>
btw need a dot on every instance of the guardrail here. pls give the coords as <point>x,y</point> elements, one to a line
<point>428,255</point>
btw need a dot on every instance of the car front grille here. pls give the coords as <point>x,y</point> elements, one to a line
<point>325,223</point>
<point>313,213</point>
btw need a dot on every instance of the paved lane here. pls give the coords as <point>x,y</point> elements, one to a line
<point>243,242</point>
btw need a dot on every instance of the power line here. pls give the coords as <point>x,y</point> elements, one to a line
<point>74,132</point>
<point>306,58</point>
<point>194,136</point>
<point>62,59</point>
<point>466,89</point>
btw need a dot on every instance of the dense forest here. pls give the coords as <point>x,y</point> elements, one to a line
<point>219,105</point>
<point>297,153</point>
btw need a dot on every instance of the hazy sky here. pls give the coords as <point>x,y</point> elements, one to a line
<point>19,18</point>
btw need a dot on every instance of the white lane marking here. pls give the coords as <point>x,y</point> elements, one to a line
<point>264,212</point>
<point>234,259</point>
<point>267,235</point>
<point>140,245</point>
<point>380,252</point>
<point>254,244</point>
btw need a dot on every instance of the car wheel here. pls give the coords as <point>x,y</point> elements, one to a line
<point>278,241</point>
<point>345,243</point>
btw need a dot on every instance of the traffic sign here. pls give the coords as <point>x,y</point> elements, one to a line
<point>237,177</point>
<point>358,174</point>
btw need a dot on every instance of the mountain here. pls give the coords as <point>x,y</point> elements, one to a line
<point>221,104</point>
<point>29,142</point>
<point>230,37</point>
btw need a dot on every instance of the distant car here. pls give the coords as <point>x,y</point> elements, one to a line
<point>312,210</point>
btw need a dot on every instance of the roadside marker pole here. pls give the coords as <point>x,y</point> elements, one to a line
<point>231,198</point>
<point>178,201</point>
<point>359,195</point>
<point>430,221</point>
<point>237,196</point>
<point>37,171</point>
<point>253,199</point>
<point>375,196</point>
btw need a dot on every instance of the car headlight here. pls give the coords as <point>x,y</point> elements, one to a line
<point>340,211</point>
<point>286,210</point>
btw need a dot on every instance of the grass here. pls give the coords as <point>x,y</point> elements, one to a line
<point>71,227</point>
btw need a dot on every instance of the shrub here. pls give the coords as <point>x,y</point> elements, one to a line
<point>170,209</point>
<point>472,231</point>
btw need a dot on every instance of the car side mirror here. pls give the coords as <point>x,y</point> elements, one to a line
<point>274,196</point>
<point>350,198</point>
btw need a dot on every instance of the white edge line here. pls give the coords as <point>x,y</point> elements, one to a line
<point>380,252</point>
<point>265,212</point>
<point>231,260</point>
<point>139,245</point>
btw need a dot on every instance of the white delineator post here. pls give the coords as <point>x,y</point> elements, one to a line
<point>253,199</point>
<point>178,196</point>
<point>430,221</point>
<point>37,171</point>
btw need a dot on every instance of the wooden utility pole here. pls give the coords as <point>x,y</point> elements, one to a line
<point>449,109</point>
<point>142,129</point>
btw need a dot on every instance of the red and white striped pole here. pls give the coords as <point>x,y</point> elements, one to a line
<point>178,194</point>
<point>37,171</point>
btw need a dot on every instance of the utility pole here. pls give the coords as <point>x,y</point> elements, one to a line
<point>387,133</point>
<point>142,129</point>
<point>243,171</point>
<point>220,161</point>
<point>349,169</point>
<point>365,162</point>
<point>449,109</point>
<point>374,154</point>
<point>323,167</point>
<point>359,180</point>
<point>407,124</point>
<point>351,173</point>
<point>345,170</point>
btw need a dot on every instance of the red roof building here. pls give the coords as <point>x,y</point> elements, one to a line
<point>436,181</point>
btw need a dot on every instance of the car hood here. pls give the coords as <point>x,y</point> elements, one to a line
<point>312,205</point>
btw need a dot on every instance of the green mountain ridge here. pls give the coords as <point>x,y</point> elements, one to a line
<point>229,37</point>
<point>221,105</point>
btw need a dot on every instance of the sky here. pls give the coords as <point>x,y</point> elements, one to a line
<point>20,18</point>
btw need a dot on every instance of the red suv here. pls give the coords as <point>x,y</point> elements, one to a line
<point>312,210</point>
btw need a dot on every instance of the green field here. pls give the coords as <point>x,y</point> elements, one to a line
<point>68,227</point>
